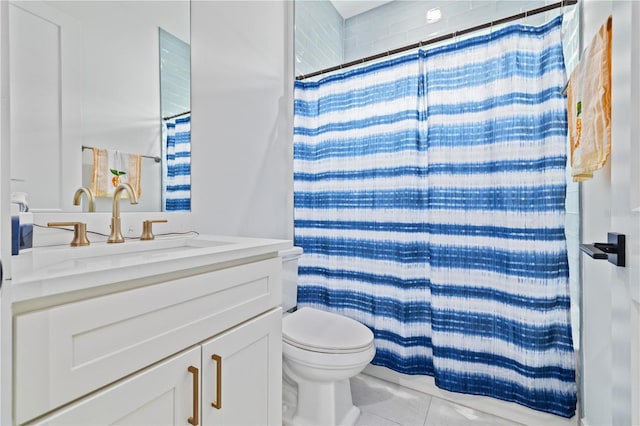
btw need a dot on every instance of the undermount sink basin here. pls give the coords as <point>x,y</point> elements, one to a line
<point>138,247</point>
<point>95,254</point>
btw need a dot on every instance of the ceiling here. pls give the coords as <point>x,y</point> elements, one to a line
<point>349,8</point>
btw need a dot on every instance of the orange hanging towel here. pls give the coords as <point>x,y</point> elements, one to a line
<point>111,168</point>
<point>589,107</point>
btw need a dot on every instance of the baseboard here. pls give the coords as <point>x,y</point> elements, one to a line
<point>507,410</point>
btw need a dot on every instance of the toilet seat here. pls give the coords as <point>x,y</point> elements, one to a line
<point>325,332</point>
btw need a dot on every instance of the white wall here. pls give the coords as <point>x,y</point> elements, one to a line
<point>242,128</point>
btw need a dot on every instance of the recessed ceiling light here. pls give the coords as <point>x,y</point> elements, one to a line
<point>433,15</point>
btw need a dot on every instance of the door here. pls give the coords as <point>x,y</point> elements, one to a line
<point>610,203</point>
<point>45,104</point>
<point>242,374</point>
<point>165,394</point>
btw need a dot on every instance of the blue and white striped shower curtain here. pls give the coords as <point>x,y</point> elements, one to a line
<point>178,159</point>
<point>429,200</point>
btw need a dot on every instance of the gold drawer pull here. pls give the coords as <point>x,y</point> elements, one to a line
<point>194,420</point>
<point>217,404</point>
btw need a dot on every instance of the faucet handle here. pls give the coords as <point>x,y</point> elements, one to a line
<point>79,232</point>
<point>147,228</point>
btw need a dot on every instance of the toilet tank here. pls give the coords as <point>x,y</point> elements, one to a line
<point>290,259</point>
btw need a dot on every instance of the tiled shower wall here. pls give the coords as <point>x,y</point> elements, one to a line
<point>324,39</point>
<point>319,34</point>
<point>400,23</point>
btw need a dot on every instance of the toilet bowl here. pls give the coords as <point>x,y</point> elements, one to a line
<point>321,351</point>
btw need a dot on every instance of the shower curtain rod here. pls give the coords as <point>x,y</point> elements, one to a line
<point>176,115</point>
<point>156,159</point>
<point>442,38</point>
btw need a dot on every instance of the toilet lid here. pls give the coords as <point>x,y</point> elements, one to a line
<point>322,331</point>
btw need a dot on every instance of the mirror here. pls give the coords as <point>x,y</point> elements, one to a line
<point>93,74</point>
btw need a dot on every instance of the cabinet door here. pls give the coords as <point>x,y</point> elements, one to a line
<point>242,374</point>
<point>160,395</point>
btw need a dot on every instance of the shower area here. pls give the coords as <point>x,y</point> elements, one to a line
<point>460,254</point>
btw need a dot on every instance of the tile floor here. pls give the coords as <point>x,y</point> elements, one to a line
<point>387,404</point>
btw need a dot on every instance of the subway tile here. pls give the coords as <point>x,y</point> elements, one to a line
<point>480,3</point>
<point>390,43</point>
<point>428,31</point>
<point>454,9</point>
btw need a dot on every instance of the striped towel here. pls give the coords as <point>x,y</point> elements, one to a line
<point>111,168</point>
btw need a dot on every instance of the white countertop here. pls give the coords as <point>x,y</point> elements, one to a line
<point>52,271</point>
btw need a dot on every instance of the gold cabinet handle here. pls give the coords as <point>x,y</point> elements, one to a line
<point>217,404</point>
<point>147,229</point>
<point>79,232</point>
<point>194,420</point>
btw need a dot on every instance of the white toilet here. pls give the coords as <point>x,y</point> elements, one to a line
<point>320,352</point>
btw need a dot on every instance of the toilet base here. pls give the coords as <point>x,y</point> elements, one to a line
<point>327,403</point>
<point>289,400</point>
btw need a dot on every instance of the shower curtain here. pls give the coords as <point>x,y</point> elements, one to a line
<point>429,201</point>
<point>177,190</point>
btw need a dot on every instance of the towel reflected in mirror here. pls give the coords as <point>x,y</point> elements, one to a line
<point>111,168</point>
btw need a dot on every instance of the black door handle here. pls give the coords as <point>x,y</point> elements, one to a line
<point>613,250</point>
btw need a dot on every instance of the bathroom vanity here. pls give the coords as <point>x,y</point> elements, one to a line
<point>170,331</point>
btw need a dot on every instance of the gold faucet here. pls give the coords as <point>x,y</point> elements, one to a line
<point>116,231</point>
<point>78,195</point>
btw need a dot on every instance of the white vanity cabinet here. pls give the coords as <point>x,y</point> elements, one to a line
<point>233,379</point>
<point>121,352</point>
